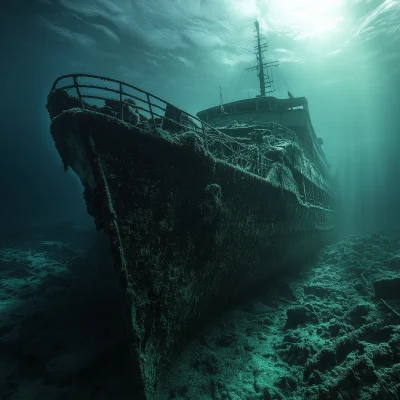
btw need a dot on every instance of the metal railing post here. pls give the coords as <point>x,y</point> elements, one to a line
<point>151,110</point>
<point>78,91</point>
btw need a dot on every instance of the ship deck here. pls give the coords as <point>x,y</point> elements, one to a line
<point>137,107</point>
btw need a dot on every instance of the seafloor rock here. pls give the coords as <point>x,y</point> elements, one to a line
<point>394,262</point>
<point>343,343</point>
<point>387,288</point>
<point>316,290</point>
<point>299,315</point>
<point>62,331</point>
<point>62,325</point>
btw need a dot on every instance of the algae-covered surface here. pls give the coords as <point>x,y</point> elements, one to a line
<point>330,331</point>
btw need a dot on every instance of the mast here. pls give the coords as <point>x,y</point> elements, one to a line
<point>259,58</point>
<point>263,76</point>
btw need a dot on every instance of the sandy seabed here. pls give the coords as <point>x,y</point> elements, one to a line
<point>330,331</point>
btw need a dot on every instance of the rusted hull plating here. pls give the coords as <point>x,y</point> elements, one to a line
<point>189,234</point>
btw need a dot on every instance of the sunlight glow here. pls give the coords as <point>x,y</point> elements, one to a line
<point>305,18</point>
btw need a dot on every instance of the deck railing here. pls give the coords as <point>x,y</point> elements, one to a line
<point>125,98</point>
<point>158,110</point>
<point>146,102</point>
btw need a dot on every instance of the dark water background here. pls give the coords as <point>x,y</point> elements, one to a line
<point>343,56</point>
<point>62,312</point>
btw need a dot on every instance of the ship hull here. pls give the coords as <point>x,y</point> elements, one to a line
<point>189,234</point>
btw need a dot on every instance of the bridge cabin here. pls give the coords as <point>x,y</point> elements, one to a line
<point>292,113</point>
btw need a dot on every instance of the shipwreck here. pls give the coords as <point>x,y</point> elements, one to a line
<point>198,209</point>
